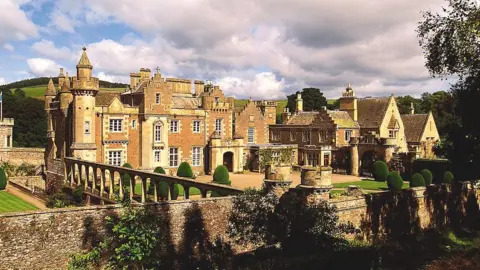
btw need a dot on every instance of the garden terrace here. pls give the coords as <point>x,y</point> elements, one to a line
<point>103,180</point>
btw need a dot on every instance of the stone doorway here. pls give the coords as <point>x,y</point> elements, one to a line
<point>228,161</point>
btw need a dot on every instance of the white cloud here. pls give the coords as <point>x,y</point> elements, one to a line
<point>62,22</point>
<point>2,81</point>
<point>263,85</point>
<point>42,67</point>
<point>8,47</point>
<point>259,48</point>
<point>47,48</point>
<point>14,23</point>
<point>112,78</point>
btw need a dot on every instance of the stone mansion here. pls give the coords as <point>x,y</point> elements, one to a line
<point>156,121</point>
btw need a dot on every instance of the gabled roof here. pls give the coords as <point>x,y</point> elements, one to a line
<point>414,125</point>
<point>184,102</point>
<point>342,119</point>
<point>104,98</point>
<point>393,124</point>
<point>302,118</point>
<point>371,111</point>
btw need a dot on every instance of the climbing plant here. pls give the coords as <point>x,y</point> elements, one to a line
<point>280,156</point>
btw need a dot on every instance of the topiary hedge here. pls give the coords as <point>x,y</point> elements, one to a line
<point>427,176</point>
<point>437,167</point>
<point>126,177</point>
<point>394,181</point>
<point>448,177</point>
<point>151,186</point>
<point>220,176</point>
<point>417,180</point>
<point>3,179</point>
<point>380,171</point>
<point>184,170</point>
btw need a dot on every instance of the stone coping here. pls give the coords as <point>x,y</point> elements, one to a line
<point>100,207</point>
<point>22,149</point>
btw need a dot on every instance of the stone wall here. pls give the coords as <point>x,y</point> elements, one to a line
<point>44,239</point>
<point>28,181</point>
<point>18,155</point>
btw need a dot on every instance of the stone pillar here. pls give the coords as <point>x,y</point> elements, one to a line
<point>316,183</point>
<point>278,179</point>
<point>354,156</point>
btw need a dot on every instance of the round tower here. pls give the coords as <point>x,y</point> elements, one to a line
<point>84,90</point>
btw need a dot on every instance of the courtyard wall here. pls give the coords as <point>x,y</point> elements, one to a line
<point>44,239</point>
<point>19,155</point>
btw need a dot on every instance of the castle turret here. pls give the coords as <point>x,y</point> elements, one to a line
<point>299,103</point>
<point>348,103</point>
<point>85,88</point>
<point>65,96</point>
<point>50,94</point>
<point>61,78</point>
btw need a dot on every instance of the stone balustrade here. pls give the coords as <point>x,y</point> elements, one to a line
<point>102,178</point>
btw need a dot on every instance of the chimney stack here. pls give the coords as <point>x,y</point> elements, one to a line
<point>412,109</point>
<point>299,102</point>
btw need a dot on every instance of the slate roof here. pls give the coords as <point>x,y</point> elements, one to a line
<point>184,102</point>
<point>371,111</point>
<point>342,119</point>
<point>104,98</point>
<point>414,125</point>
<point>302,118</point>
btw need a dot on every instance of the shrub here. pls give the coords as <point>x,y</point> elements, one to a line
<point>3,179</point>
<point>448,177</point>
<point>394,181</point>
<point>126,177</point>
<point>184,170</point>
<point>220,176</point>
<point>436,166</point>
<point>151,186</point>
<point>380,171</point>
<point>417,180</point>
<point>427,176</point>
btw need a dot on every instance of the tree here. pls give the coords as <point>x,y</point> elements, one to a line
<point>404,104</point>
<point>313,100</point>
<point>451,42</point>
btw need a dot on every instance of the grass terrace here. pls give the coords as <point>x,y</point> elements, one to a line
<point>368,184</point>
<point>11,203</point>
<point>38,91</point>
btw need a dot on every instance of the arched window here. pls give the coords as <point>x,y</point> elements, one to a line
<point>157,132</point>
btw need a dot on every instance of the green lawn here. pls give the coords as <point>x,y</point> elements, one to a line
<point>10,203</point>
<point>193,191</point>
<point>368,185</point>
<point>39,91</point>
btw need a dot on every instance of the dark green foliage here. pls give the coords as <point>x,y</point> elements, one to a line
<point>77,195</point>
<point>30,129</point>
<point>427,176</point>
<point>44,81</point>
<point>184,170</point>
<point>176,191</point>
<point>66,197</point>
<point>220,176</point>
<point>404,104</point>
<point>394,181</point>
<point>380,171</point>
<point>3,179</point>
<point>448,177</point>
<point>125,176</point>
<point>417,180</point>
<point>151,186</point>
<point>313,100</point>
<point>436,166</point>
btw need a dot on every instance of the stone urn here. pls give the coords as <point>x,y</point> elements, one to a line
<point>278,178</point>
<point>316,181</point>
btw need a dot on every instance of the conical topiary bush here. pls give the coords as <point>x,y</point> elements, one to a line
<point>3,179</point>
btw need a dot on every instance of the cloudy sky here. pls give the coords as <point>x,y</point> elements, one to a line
<point>258,48</point>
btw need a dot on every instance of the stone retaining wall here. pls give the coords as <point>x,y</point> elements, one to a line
<point>44,239</point>
<point>19,155</point>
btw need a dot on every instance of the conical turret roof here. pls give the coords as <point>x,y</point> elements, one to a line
<point>84,61</point>
<point>51,91</point>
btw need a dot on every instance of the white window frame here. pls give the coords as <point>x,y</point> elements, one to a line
<point>348,135</point>
<point>196,156</point>
<point>87,127</point>
<point>305,136</point>
<point>157,155</point>
<point>173,153</point>
<point>251,135</point>
<point>158,98</point>
<point>196,126</point>
<point>116,125</point>
<point>218,125</point>
<point>292,136</point>
<point>217,100</point>
<point>115,157</point>
<point>174,128</point>
<point>322,136</point>
<point>157,132</point>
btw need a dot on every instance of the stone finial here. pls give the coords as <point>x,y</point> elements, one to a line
<point>158,70</point>
<point>84,61</point>
<point>50,89</point>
